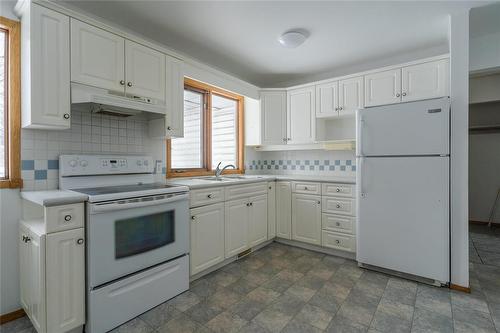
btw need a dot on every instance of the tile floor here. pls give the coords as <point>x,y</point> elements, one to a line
<point>484,244</point>
<point>285,289</point>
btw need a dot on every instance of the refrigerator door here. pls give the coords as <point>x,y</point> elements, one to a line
<point>408,129</point>
<point>403,217</point>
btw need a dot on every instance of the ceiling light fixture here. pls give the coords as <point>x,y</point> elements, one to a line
<point>292,39</point>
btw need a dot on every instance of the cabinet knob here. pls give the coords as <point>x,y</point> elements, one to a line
<point>404,94</point>
<point>341,108</point>
<point>67,218</point>
<point>337,224</point>
<point>129,84</point>
<point>193,217</point>
<point>398,95</point>
<point>319,202</point>
<point>305,188</point>
<point>66,116</point>
<point>284,139</point>
<point>251,203</point>
<point>209,196</point>
<point>270,187</point>
<point>79,241</point>
<point>289,139</point>
<point>337,190</point>
<point>122,82</point>
<point>169,128</point>
<point>26,239</point>
<point>338,206</point>
<point>337,241</point>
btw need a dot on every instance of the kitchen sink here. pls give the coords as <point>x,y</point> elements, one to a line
<point>227,178</point>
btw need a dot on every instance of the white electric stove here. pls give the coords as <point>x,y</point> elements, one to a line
<point>137,235</point>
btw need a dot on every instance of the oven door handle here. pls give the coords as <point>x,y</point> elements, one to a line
<point>128,203</point>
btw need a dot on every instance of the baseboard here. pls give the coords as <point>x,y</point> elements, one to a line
<point>317,248</point>
<point>5,318</point>
<point>460,288</point>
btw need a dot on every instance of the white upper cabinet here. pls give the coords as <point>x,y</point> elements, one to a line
<point>383,87</point>
<point>45,68</point>
<point>145,71</point>
<point>301,115</point>
<point>327,99</point>
<point>273,110</point>
<point>427,80</point>
<point>351,95</point>
<point>174,98</point>
<point>97,57</point>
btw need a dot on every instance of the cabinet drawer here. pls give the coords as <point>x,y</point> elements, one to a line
<point>338,190</point>
<point>332,222</point>
<point>338,241</point>
<point>206,196</point>
<point>65,217</point>
<point>338,206</point>
<point>306,188</point>
<point>243,191</point>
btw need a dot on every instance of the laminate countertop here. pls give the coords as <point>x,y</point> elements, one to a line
<point>53,197</point>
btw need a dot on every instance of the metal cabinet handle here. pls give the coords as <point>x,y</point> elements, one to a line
<point>337,241</point>
<point>66,116</point>
<point>122,82</point>
<point>248,204</point>
<point>398,95</point>
<point>193,217</point>
<point>404,94</point>
<point>338,206</point>
<point>337,190</point>
<point>341,108</point>
<point>210,196</point>
<point>26,239</point>
<point>251,203</point>
<point>129,84</point>
<point>79,241</point>
<point>67,218</point>
<point>169,128</point>
<point>319,202</point>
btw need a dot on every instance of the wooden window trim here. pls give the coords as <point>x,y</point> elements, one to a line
<point>207,135</point>
<point>13,84</point>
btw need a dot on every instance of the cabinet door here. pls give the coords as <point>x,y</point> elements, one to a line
<point>306,218</point>
<point>25,269</point>
<point>49,103</point>
<point>383,87</point>
<point>144,71</point>
<point>351,95</point>
<point>301,116</point>
<point>37,289</point>
<point>327,99</point>
<point>207,237</point>
<point>273,108</point>
<point>424,81</point>
<point>236,226</point>
<point>257,220</point>
<point>283,209</point>
<point>97,57</point>
<point>175,98</point>
<point>271,210</point>
<point>65,280</point>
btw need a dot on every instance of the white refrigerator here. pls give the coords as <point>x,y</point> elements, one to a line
<point>403,188</point>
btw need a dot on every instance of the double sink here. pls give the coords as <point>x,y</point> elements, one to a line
<point>227,178</point>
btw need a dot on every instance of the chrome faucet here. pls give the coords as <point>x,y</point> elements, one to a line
<point>218,170</point>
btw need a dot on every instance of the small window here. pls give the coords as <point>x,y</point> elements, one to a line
<point>213,121</point>
<point>10,170</point>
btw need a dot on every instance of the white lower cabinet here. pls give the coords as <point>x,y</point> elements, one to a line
<point>271,210</point>
<point>52,276</point>
<point>306,218</point>
<point>236,229</point>
<point>257,221</point>
<point>207,237</point>
<point>284,210</point>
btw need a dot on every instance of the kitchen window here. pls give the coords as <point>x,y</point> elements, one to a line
<point>213,132</point>
<point>10,104</point>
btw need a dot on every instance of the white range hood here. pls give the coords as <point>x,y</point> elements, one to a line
<point>97,100</point>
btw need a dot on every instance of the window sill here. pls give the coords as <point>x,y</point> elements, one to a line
<point>11,183</point>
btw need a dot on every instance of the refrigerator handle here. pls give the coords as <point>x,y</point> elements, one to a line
<point>359,135</point>
<point>362,192</point>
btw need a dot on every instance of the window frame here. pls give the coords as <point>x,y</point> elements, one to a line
<point>206,170</point>
<point>12,104</point>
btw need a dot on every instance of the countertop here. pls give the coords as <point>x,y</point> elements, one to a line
<point>198,182</point>
<point>53,197</point>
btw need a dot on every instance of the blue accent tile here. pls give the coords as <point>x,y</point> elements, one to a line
<point>28,165</point>
<point>306,162</point>
<point>297,162</point>
<point>302,167</point>
<point>40,174</point>
<point>258,162</point>
<point>294,167</point>
<point>327,162</point>
<point>265,162</point>
<point>331,168</point>
<point>280,162</point>
<point>251,167</point>
<point>285,167</point>
<point>253,162</point>
<point>321,168</point>
<point>164,170</point>
<point>276,167</point>
<point>353,168</point>
<point>348,162</point>
<point>53,164</point>
<point>316,162</point>
<point>268,167</point>
<point>337,162</point>
<point>311,167</point>
<point>273,162</point>
<point>342,168</point>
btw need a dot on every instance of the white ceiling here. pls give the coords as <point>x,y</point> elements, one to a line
<point>240,37</point>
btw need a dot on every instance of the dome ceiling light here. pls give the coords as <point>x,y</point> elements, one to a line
<point>293,38</point>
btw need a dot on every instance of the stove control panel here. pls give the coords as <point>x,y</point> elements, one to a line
<point>88,165</point>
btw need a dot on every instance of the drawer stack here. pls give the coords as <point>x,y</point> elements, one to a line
<point>338,216</point>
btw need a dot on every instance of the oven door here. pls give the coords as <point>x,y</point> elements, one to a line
<point>129,235</point>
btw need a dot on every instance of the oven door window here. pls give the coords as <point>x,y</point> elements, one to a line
<point>144,233</point>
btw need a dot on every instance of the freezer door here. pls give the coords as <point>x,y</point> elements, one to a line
<point>416,128</point>
<point>403,215</point>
